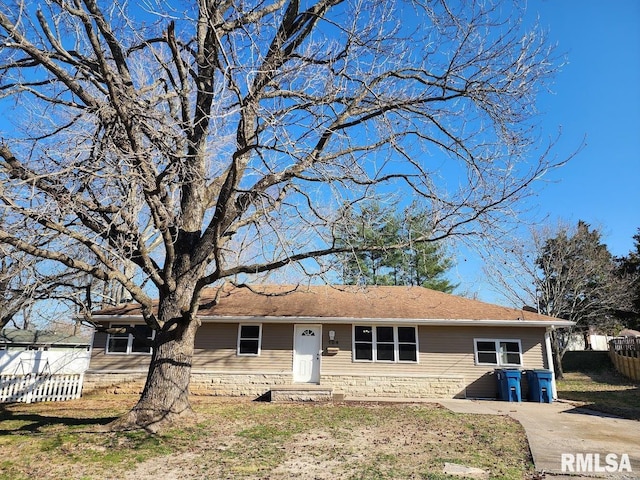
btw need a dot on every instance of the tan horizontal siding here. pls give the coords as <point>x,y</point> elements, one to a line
<point>216,349</point>
<point>444,350</point>
<point>100,360</point>
<point>450,350</point>
<point>341,361</point>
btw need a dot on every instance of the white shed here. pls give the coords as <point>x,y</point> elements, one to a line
<point>41,366</point>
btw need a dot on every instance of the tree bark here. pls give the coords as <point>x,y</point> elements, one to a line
<point>558,353</point>
<point>165,398</point>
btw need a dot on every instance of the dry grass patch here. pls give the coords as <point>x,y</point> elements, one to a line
<point>239,439</point>
<point>604,390</point>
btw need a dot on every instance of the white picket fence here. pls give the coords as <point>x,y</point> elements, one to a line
<point>42,376</point>
<point>40,387</point>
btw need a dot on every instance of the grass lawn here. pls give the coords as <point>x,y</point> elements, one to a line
<point>239,439</point>
<point>604,390</point>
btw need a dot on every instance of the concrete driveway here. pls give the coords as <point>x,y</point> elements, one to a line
<point>567,441</point>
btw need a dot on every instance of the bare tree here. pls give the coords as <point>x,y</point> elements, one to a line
<point>27,283</point>
<point>565,272</point>
<point>42,293</point>
<point>17,289</point>
<point>246,124</point>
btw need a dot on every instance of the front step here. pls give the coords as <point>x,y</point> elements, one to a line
<point>301,393</point>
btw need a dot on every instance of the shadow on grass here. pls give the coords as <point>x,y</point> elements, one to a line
<point>609,376</point>
<point>625,403</point>
<point>603,390</point>
<point>34,423</point>
<point>592,412</point>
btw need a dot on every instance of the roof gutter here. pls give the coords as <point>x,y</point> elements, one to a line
<point>349,320</point>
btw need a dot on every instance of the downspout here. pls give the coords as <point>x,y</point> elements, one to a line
<point>547,347</point>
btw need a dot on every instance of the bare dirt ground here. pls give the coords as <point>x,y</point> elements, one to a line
<point>396,444</point>
<point>315,455</point>
<point>239,439</point>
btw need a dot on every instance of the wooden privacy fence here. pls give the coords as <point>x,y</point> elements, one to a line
<point>35,387</point>
<point>625,355</point>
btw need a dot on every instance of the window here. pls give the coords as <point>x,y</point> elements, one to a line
<point>385,344</point>
<point>249,339</point>
<point>407,344</point>
<point>498,352</point>
<point>127,343</point>
<point>363,343</point>
<point>118,342</point>
<point>139,341</point>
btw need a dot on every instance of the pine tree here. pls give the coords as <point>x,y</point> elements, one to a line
<point>371,234</point>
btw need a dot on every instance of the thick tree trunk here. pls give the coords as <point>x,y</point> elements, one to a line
<point>165,398</point>
<point>558,353</point>
<point>558,365</point>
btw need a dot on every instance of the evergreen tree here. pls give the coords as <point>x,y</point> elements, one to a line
<point>375,228</point>
<point>423,263</point>
<point>373,233</point>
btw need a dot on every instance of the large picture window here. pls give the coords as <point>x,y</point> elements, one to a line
<point>375,343</point>
<point>498,352</point>
<point>249,339</point>
<point>127,343</point>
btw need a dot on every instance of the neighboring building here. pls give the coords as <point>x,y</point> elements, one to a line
<point>20,339</point>
<point>36,351</point>
<point>355,341</point>
<point>40,366</point>
<point>589,341</point>
<point>627,332</point>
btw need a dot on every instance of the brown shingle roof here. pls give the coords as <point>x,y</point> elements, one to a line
<point>345,302</point>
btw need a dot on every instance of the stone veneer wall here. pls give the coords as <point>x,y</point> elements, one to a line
<point>236,384</point>
<point>114,382</point>
<point>400,387</point>
<point>251,384</point>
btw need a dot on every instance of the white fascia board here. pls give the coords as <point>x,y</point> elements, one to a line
<point>349,320</point>
<point>119,318</point>
<point>412,321</point>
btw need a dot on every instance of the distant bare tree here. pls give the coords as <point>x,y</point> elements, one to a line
<point>565,272</point>
<point>32,286</point>
<point>27,281</point>
<point>629,269</point>
<point>240,124</point>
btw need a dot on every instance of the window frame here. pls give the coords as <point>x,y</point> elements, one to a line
<point>130,339</point>
<point>497,351</point>
<point>374,343</point>
<point>240,338</point>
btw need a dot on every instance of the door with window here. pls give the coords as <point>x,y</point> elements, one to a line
<point>306,353</point>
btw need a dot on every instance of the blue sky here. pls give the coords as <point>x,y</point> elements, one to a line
<point>596,97</point>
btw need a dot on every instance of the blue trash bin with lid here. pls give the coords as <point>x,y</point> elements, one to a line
<point>509,384</point>
<point>540,385</point>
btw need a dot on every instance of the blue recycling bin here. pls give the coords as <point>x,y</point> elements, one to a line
<point>509,384</point>
<point>540,386</point>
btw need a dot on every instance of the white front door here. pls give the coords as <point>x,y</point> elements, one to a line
<point>306,353</point>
